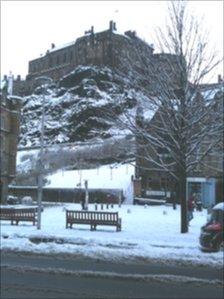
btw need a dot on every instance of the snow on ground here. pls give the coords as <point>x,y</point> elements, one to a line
<point>147,232</point>
<point>116,176</point>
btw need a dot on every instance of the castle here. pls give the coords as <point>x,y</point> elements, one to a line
<point>106,48</point>
<point>103,48</point>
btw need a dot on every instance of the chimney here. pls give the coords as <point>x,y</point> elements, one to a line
<point>112,26</point>
<point>52,45</point>
<point>90,31</point>
<point>220,79</point>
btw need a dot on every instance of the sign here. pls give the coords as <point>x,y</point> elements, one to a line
<point>157,193</point>
<point>197,180</point>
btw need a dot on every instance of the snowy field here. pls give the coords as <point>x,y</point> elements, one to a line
<point>147,232</point>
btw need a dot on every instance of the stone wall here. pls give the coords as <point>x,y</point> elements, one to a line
<point>10,116</point>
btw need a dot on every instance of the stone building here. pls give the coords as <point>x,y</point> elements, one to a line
<point>10,119</point>
<point>205,180</point>
<point>92,48</point>
<point>126,53</point>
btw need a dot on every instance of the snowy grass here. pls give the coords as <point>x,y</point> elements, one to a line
<point>147,232</point>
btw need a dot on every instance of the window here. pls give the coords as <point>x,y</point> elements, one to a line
<point>163,183</point>
<point>3,124</point>
<point>164,154</point>
<point>71,56</point>
<point>2,143</point>
<point>50,62</point>
<point>58,59</point>
<point>64,57</point>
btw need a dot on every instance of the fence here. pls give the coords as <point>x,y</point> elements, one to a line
<point>67,194</point>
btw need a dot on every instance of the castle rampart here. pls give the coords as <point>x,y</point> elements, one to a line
<point>107,48</point>
<point>103,48</point>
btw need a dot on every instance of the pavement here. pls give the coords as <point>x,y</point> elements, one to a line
<point>59,276</point>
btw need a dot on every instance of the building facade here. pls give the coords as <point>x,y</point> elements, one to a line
<point>10,119</point>
<point>205,180</point>
<point>102,48</point>
<point>126,53</point>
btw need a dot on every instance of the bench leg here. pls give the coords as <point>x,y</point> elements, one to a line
<point>118,228</point>
<point>93,227</point>
<point>17,222</point>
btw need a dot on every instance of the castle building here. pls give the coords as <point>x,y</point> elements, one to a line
<point>107,48</point>
<point>103,48</point>
<point>126,53</point>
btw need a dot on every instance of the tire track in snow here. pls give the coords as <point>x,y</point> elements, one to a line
<point>164,278</point>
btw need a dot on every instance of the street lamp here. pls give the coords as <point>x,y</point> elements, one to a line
<point>40,175</point>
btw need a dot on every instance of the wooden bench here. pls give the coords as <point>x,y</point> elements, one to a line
<point>93,219</point>
<point>18,214</point>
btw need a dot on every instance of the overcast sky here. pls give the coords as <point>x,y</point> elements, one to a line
<point>29,27</point>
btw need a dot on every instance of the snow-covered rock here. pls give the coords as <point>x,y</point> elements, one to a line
<point>85,105</point>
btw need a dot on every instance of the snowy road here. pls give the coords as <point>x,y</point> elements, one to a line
<point>29,276</point>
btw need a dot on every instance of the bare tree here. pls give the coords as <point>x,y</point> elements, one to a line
<point>186,121</point>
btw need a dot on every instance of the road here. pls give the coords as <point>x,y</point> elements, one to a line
<point>39,276</point>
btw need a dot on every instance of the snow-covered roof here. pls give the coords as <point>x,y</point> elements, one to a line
<point>210,93</point>
<point>219,206</point>
<point>60,47</point>
<point>108,176</point>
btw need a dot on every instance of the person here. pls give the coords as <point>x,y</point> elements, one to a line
<point>198,203</point>
<point>190,208</point>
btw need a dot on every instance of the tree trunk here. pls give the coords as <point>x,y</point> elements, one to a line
<point>183,202</point>
<point>4,191</point>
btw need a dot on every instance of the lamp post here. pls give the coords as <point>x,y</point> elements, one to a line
<point>86,195</point>
<point>40,175</point>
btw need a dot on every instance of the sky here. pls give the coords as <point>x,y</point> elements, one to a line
<point>29,27</point>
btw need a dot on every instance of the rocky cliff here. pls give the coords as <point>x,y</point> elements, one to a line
<point>86,105</point>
